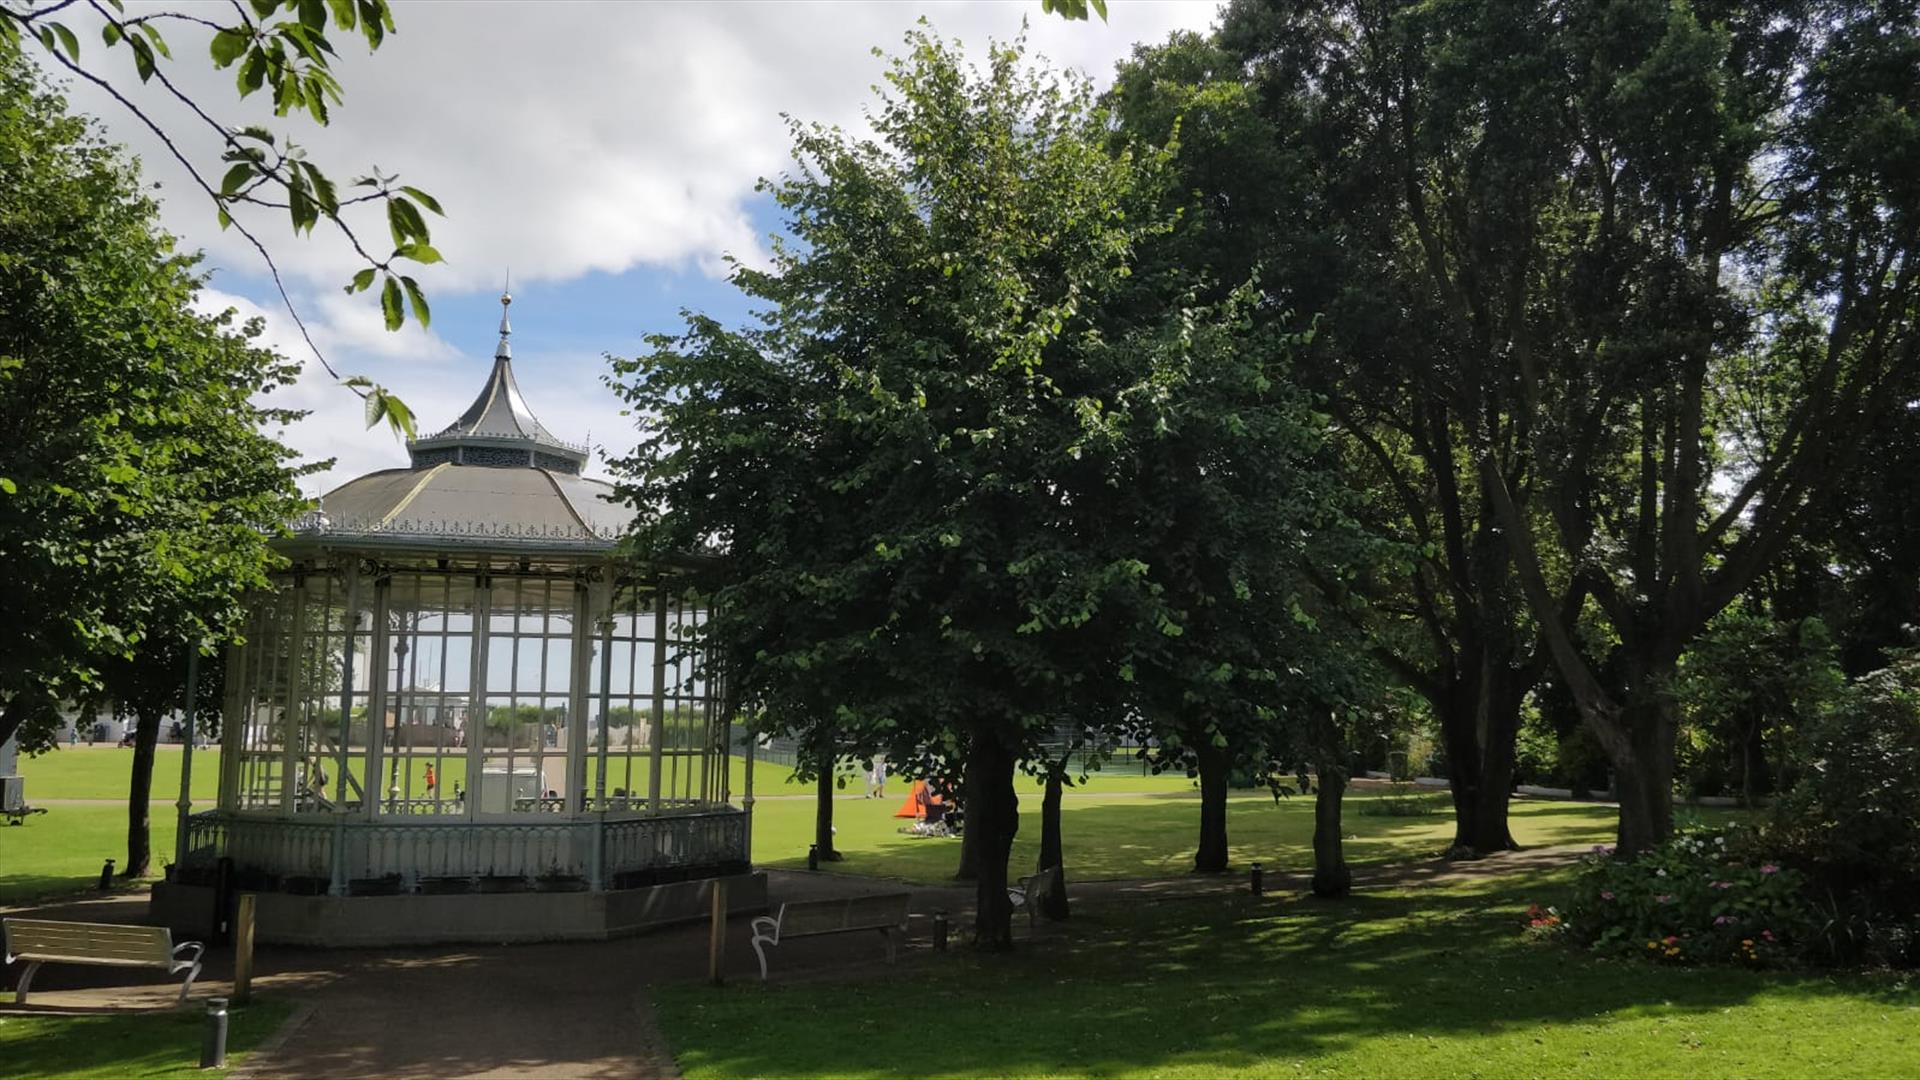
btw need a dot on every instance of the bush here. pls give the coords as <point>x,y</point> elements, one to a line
<point>1697,898</point>
<point>1851,823</point>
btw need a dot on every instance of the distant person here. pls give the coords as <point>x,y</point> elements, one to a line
<point>877,779</point>
<point>432,779</point>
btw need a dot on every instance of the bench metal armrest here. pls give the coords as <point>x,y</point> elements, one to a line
<point>766,928</point>
<point>190,964</point>
<point>182,963</point>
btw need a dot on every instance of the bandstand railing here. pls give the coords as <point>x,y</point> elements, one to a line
<point>439,853</point>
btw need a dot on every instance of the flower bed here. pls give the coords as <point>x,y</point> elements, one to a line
<point>1697,898</point>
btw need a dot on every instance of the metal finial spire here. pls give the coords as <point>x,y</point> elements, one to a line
<point>505,349</point>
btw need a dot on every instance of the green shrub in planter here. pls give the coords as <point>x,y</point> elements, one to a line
<point>1698,898</point>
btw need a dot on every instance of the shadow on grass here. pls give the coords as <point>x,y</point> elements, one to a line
<point>132,1044</point>
<point>1401,984</point>
<point>1150,836</point>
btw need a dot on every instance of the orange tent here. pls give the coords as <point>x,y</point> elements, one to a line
<point>912,808</point>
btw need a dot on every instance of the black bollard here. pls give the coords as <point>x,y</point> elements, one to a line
<point>106,876</point>
<point>1259,886</point>
<point>213,1048</point>
<point>813,856</point>
<point>940,931</point>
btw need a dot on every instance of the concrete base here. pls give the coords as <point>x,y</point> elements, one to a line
<point>356,921</point>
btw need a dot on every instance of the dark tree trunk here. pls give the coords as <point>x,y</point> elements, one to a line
<point>1753,765</point>
<point>969,869</point>
<point>1211,858</point>
<point>146,734</point>
<point>1330,874</point>
<point>993,819</point>
<point>1054,904</point>
<point>13,717</point>
<point>823,808</point>
<point>1645,778</point>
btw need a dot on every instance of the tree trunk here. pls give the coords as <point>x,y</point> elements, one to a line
<point>969,869</point>
<point>1211,858</point>
<point>1645,777</point>
<point>1054,904</point>
<point>146,734</point>
<point>1330,874</point>
<point>823,812</point>
<point>993,819</point>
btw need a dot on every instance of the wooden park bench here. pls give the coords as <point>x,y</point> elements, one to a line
<point>18,815</point>
<point>42,941</point>
<point>1032,890</point>
<point>886,912</point>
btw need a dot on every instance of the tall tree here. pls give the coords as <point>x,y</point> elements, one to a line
<point>1303,132</point>
<point>138,491</point>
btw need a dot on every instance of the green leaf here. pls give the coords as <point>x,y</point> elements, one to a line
<point>229,45</point>
<point>110,33</point>
<point>418,252</point>
<point>264,8</point>
<point>8,487</point>
<point>343,15</point>
<point>390,304</point>
<point>423,198</point>
<point>253,74</point>
<point>313,15</point>
<point>236,178</point>
<point>362,281</point>
<point>421,312</point>
<point>68,41</point>
<point>159,43</point>
<point>142,57</point>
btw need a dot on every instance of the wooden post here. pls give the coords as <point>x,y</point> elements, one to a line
<point>243,951</point>
<point>717,935</point>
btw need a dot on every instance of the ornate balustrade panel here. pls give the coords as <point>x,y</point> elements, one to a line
<point>428,848</point>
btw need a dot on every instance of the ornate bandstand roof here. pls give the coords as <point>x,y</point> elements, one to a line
<point>495,477</point>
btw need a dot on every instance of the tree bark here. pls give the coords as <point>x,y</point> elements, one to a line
<point>1645,778</point>
<point>1331,878</point>
<point>1211,858</point>
<point>993,820</point>
<point>1054,904</point>
<point>969,869</point>
<point>823,808</point>
<point>146,734</point>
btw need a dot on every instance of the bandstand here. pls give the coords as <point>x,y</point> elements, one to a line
<point>463,714</point>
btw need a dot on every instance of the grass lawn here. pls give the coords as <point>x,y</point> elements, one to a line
<point>1153,835</point>
<point>104,772</point>
<point>144,1044</point>
<point>60,852</point>
<point>1436,982</point>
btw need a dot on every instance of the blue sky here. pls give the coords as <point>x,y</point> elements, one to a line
<point>607,153</point>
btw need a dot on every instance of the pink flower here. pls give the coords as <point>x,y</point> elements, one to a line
<point>1769,868</point>
<point>1723,920</point>
<point>1664,898</point>
<point>1720,885</point>
<point>1768,934</point>
<point>1606,894</point>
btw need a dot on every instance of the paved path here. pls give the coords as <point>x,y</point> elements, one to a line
<point>578,1009</point>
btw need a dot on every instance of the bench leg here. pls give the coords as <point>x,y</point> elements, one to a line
<point>192,974</point>
<point>26,980</point>
<point>760,950</point>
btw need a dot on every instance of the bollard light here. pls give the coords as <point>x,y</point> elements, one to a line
<point>940,930</point>
<point>213,1048</point>
<point>813,856</point>
<point>1259,886</point>
<point>106,876</point>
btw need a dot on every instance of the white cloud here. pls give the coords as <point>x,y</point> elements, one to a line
<point>562,138</point>
<point>568,137</point>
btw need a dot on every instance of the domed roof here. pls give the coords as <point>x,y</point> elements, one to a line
<point>496,478</point>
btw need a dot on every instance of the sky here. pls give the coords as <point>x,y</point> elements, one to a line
<point>605,154</point>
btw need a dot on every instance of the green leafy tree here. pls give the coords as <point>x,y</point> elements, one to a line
<point>913,465</point>
<point>1294,163</point>
<point>140,492</point>
<point>1746,688</point>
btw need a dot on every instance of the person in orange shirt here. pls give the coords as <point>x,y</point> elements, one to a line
<point>431,779</point>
